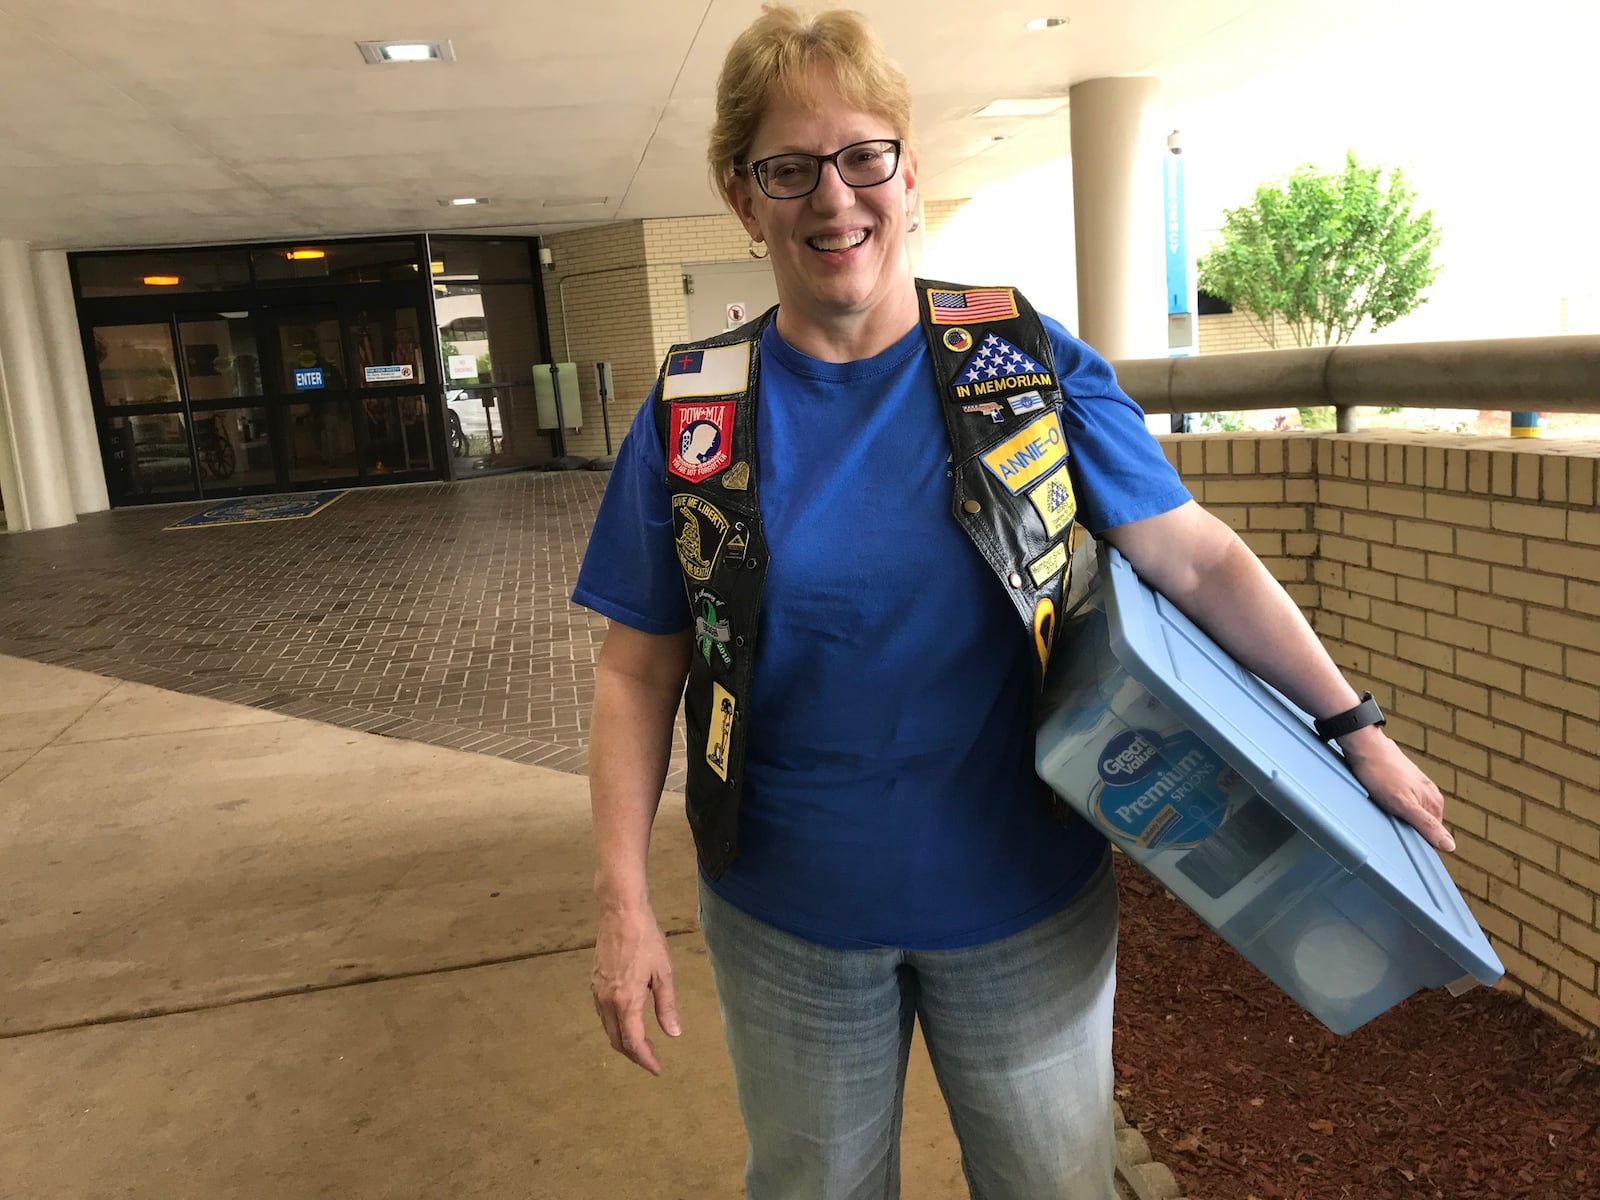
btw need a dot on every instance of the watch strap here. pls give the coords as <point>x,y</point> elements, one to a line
<point>1364,714</point>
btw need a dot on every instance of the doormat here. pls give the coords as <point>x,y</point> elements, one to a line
<point>261,508</point>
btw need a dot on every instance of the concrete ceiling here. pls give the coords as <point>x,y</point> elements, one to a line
<point>145,122</point>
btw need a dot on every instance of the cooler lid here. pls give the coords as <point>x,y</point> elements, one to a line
<point>1270,742</point>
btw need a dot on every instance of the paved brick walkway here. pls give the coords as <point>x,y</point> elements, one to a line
<point>436,613</point>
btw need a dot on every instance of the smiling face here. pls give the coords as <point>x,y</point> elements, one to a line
<point>838,254</point>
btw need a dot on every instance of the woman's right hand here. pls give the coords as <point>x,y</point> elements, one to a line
<point>631,964</point>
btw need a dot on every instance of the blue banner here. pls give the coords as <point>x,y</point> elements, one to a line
<point>1177,237</point>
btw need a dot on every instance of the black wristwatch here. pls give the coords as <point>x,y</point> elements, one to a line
<point>1364,714</point>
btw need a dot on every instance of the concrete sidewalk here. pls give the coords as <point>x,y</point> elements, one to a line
<point>243,955</point>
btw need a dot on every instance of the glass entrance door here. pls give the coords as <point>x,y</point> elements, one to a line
<point>349,381</point>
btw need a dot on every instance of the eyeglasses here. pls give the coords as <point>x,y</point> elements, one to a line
<point>860,165</point>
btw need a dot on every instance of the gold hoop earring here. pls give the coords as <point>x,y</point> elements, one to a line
<point>758,249</point>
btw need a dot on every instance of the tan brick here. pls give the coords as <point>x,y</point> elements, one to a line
<point>1346,604</point>
<point>1410,563</point>
<point>1582,836</point>
<point>1345,550</point>
<point>1583,938</point>
<point>1451,508</point>
<point>1502,473</point>
<point>1580,698</point>
<point>1425,653</point>
<point>1433,471</point>
<point>1191,459</point>
<point>1528,585</point>
<point>1428,596</point>
<point>1572,561</point>
<point>1505,895</point>
<point>1581,632</point>
<point>1491,797</point>
<point>1583,666</point>
<point>1278,518</point>
<point>1301,545</point>
<point>1262,542</point>
<point>1527,484</point>
<point>1328,574</point>
<point>1394,466</point>
<point>1523,842</point>
<point>1351,659</point>
<point>1583,597</point>
<point>1579,870</point>
<point>1532,520</point>
<point>1244,491</point>
<point>1327,520</point>
<point>1378,530</point>
<point>1519,776</point>
<point>1400,618</point>
<point>1567,961</point>
<point>1299,456</point>
<point>1583,483</point>
<point>1496,672</point>
<point>1584,1005</point>
<point>1583,736</point>
<point>1489,610</point>
<point>1416,471</point>
<point>1467,635</point>
<point>1244,455</point>
<point>1528,970</point>
<point>1339,494</point>
<point>1425,535</point>
<point>1500,865</point>
<point>1533,652</point>
<point>1216,454</point>
<point>1457,693</point>
<point>1478,471</point>
<point>1455,470</point>
<point>1271,455</point>
<point>1496,923</point>
<point>1461,816</point>
<point>1376,584</point>
<point>1399,502</point>
<point>1364,633</point>
<point>1458,572</point>
<point>1584,527</point>
<point>1300,491</point>
<point>1553,890</point>
<point>1465,756</point>
<point>1490,547</point>
<point>1554,471</point>
<point>1571,764</point>
<point>1426,712</point>
<point>1507,739</point>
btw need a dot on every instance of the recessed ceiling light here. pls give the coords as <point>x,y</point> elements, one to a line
<point>161,281</point>
<point>307,253</point>
<point>1049,22</point>
<point>379,53</point>
<point>573,201</point>
<point>462,201</point>
<point>1041,106</point>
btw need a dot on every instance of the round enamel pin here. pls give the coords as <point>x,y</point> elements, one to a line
<point>958,340</point>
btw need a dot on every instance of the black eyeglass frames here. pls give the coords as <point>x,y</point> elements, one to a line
<point>860,165</point>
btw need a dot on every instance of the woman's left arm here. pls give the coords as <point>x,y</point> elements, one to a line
<point>1200,565</point>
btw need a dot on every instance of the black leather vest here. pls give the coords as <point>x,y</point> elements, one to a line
<point>1001,401</point>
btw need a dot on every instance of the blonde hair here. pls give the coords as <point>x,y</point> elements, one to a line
<point>773,56</point>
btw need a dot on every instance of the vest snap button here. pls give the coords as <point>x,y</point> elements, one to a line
<point>972,506</point>
<point>1016,580</point>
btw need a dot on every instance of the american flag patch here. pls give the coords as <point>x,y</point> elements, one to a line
<point>975,304</point>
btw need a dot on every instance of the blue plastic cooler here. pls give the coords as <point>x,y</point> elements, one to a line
<point>1216,784</point>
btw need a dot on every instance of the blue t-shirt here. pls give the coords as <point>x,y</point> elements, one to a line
<point>889,794</point>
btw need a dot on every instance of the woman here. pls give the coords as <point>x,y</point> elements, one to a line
<point>842,591</point>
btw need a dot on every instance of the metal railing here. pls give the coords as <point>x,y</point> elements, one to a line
<point>1540,374</point>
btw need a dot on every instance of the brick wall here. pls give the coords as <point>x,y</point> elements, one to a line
<point>1224,333</point>
<point>1459,580</point>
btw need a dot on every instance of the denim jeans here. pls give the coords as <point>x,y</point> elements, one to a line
<point>1018,1032</point>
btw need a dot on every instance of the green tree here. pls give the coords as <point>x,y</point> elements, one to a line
<point>1323,253</point>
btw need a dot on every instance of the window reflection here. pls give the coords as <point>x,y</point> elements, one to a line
<point>136,364</point>
<point>149,455</point>
<point>397,437</point>
<point>320,442</point>
<point>234,446</point>
<point>219,357</point>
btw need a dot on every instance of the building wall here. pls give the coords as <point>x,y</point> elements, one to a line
<point>600,310</point>
<point>1459,580</point>
<point>1223,333</point>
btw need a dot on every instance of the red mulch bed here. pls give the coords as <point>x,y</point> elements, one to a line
<point>1243,1094</point>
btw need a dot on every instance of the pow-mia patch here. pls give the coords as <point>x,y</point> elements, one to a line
<point>737,477</point>
<point>1054,501</point>
<point>1030,454</point>
<point>1025,402</point>
<point>1049,564</point>
<point>698,532</point>
<point>958,340</point>
<point>702,439</point>
<point>713,637</point>
<point>1044,629</point>
<point>720,735</point>
<point>988,408</point>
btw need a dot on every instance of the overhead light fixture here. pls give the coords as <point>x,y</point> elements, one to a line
<point>1049,22</point>
<point>307,253</point>
<point>161,281</point>
<point>1038,107</point>
<point>461,201</point>
<point>379,53</point>
<point>573,201</point>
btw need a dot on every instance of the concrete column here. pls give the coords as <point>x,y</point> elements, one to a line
<point>1117,145</point>
<point>38,495</point>
<point>80,442</point>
